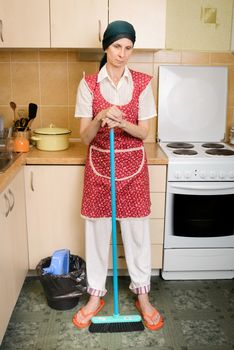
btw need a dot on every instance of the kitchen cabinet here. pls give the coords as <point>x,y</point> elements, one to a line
<point>199,25</point>
<point>147,17</point>
<point>78,23</point>
<point>232,34</point>
<point>53,201</point>
<point>81,23</point>
<point>24,23</point>
<point>157,175</point>
<point>13,247</point>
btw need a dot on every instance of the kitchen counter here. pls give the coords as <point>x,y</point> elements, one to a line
<point>74,155</point>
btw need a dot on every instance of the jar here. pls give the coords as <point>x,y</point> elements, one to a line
<point>232,135</point>
<point>21,143</point>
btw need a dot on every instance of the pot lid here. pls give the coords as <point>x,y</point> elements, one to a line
<point>52,130</point>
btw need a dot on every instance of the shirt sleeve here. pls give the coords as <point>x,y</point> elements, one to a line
<point>84,101</point>
<point>147,107</point>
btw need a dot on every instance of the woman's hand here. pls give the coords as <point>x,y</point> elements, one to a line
<point>113,117</point>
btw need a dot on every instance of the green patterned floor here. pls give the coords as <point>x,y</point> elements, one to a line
<point>199,315</point>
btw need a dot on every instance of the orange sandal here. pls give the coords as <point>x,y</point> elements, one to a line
<point>87,324</point>
<point>152,327</point>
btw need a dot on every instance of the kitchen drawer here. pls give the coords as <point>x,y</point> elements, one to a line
<point>157,174</point>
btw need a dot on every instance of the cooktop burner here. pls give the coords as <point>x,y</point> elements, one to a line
<point>212,145</point>
<point>180,145</point>
<point>220,152</point>
<point>187,152</point>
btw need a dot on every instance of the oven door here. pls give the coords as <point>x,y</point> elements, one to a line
<point>199,215</point>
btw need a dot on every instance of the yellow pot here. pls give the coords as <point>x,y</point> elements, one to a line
<point>51,138</point>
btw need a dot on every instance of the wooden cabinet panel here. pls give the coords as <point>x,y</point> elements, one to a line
<point>199,25</point>
<point>24,23</point>
<point>13,248</point>
<point>157,174</point>
<point>53,200</point>
<point>78,23</point>
<point>148,18</point>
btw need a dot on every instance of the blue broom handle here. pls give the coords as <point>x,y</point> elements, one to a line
<point>113,218</point>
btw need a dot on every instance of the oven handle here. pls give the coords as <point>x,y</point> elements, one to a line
<point>206,187</point>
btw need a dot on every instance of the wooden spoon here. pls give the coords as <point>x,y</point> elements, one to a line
<point>13,107</point>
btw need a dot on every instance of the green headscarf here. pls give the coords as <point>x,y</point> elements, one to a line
<point>117,30</point>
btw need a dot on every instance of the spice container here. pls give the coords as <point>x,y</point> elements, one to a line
<point>21,143</point>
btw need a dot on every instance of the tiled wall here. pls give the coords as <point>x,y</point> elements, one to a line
<point>50,79</point>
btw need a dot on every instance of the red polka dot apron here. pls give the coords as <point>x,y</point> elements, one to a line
<point>131,171</point>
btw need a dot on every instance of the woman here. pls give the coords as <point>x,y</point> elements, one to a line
<point>118,98</point>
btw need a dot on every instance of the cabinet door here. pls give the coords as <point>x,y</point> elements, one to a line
<point>199,25</point>
<point>53,201</point>
<point>6,267</point>
<point>78,23</point>
<point>147,17</point>
<point>18,231</point>
<point>13,247</point>
<point>24,23</point>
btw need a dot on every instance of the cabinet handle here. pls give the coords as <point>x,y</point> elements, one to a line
<point>31,181</point>
<point>99,30</point>
<point>8,205</point>
<point>121,257</point>
<point>13,199</point>
<point>1,27</point>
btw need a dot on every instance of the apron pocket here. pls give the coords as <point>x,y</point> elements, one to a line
<point>128,162</point>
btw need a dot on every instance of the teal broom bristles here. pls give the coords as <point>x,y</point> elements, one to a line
<point>115,323</point>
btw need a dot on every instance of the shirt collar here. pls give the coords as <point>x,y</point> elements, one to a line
<point>104,75</point>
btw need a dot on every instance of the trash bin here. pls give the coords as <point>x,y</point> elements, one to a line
<point>63,291</point>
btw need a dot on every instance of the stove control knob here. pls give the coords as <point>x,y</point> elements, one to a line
<point>202,174</point>
<point>231,174</point>
<point>222,175</point>
<point>177,174</point>
<point>187,174</point>
<point>213,174</point>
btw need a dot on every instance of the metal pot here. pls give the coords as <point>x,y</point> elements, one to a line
<point>51,138</point>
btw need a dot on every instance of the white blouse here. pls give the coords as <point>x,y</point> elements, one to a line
<point>116,95</point>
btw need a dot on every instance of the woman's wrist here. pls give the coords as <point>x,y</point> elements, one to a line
<point>123,124</point>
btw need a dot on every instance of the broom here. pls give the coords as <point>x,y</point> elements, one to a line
<point>115,323</point>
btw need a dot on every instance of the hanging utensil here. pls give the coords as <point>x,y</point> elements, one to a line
<point>13,107</point>
<point>32,112</point>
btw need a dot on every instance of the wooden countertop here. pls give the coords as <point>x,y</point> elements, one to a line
<point>74,155</point>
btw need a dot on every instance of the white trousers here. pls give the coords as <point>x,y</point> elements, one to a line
<point>137,248</point>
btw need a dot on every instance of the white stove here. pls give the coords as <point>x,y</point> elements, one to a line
<point>199,230</point>
<point>199,161</point>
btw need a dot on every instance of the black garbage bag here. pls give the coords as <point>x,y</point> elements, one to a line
<point>63,291</point>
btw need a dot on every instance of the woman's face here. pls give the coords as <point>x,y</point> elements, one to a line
<point>119,52</point>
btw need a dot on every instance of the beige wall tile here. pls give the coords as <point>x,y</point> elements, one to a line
<point>197,58</point>
<point>53,55</point>
<point>75,74</point>
<point>221,58</point>
<point>4,55</point>
<point>24,56</point>
<point>231,85</point>
<point>25,83</point>
<point>5,83</point>
<point>54,83</point>
<point>164,56</point>
<point>74,123</point>
<point>54,115</point>
<point>142,67</point>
